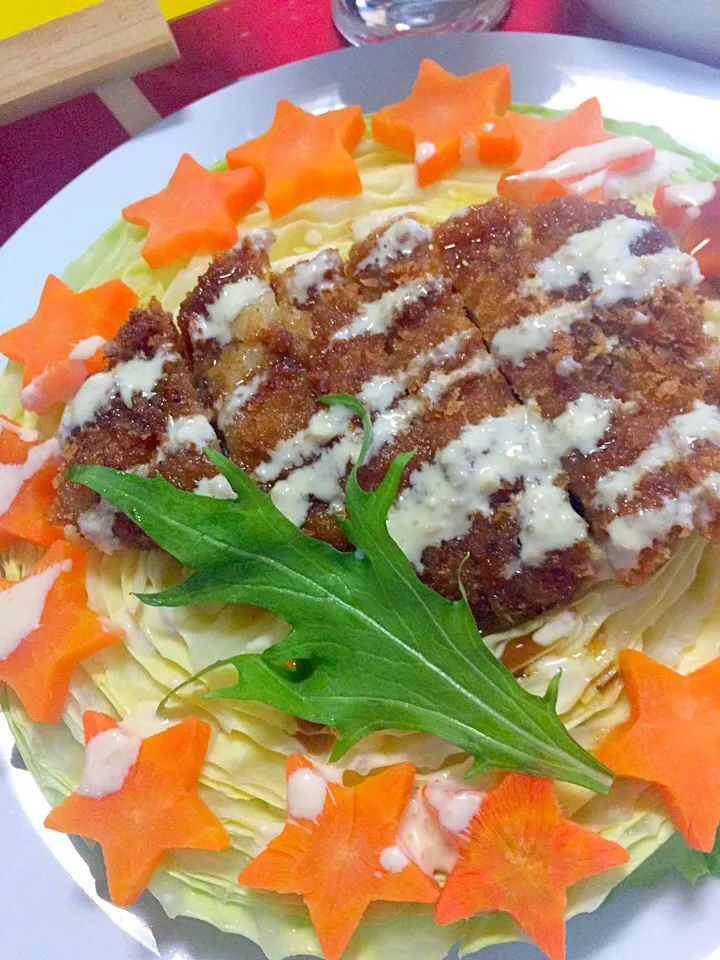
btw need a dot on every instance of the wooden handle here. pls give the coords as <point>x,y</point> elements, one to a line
<point>79,52</point>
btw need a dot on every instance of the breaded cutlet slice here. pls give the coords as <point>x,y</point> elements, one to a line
<point>592,304</point>
<point>391,332</point>
<point>142,414</point>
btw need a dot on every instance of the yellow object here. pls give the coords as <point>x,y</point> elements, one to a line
<point>17,17</point>
<point>178,8</point>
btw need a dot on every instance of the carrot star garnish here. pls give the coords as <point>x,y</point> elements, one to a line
<point>672,739</point>
<point>447,120</point>
<point>61,344</point>
<point>27,471</point>
<point>146,808</point>
<point>543,141</point>
<point>196,212</point>
<point>303,156</point>
<point>520,854</point>
<point>47,629</point>
<point>339,850</point>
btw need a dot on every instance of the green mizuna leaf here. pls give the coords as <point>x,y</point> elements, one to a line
<point>373,648</point>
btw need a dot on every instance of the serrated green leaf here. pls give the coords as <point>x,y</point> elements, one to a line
<point>373,647</point>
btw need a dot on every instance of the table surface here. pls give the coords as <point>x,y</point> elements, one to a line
<point>42,153</point>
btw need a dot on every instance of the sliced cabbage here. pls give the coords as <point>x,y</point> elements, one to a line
<point>675,617</point>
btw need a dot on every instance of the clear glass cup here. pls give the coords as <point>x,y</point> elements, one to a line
<point>366,21</point>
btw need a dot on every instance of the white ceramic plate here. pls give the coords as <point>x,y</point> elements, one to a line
<point>52,904</point>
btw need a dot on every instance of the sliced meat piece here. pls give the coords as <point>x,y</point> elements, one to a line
<point>590,307</point>
<point>141,413</point>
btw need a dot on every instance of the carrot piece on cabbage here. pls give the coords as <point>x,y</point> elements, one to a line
<point>48,629</point>
<point>61,344</point>
<point>449,120</point>
<point>520,854</point>
<point>543,141</point>
<point>339,851</point>
<point>196,212</point>
<point>156,809</point>
<point>27,471</point>
<point>304,156</point>
<point>672,739</point>
<point>693,217</point>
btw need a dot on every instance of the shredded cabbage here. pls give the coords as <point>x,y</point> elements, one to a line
<point>675,617</point>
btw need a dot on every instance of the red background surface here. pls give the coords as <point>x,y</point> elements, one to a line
<point>42,153</point>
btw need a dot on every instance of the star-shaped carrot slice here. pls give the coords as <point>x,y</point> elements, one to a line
<point>520,854</point>
<point>672,739</point>
<point>155,809</point>
<point>304,156</point>
<point>339,850</point>
<point>27,470</point>
<point>542,141</point>
<point>196,212</point>
<point>447,120</point>
<point>48,629</point>
<point>61,344</point>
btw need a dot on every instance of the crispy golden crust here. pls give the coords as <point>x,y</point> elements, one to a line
<point>131,437</point>
<point>432,370</point>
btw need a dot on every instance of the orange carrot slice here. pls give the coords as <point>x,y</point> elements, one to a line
<point>519,855</point>
<point>544,140</point>
<point>49,629</point>
<point>695,226</point>
<point>303,156</point>
<point>346,856</point>
<point>196,212</point>
<point>27,471</point>
<point>156,809</point>
<point>447,120</point>
<point>61,344</point>
<point>672,739</point>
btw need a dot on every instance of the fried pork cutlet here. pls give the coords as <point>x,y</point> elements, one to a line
<point>141,414</point>
<point>592,305</point>
<point>546,366</point>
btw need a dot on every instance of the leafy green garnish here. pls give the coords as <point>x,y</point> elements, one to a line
<point>372,648</point>
<point>703,168</point>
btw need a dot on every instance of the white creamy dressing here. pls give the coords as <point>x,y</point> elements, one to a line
<point>241,395</point>
<point>399,240</point>
<point>437,385</point>
<point>534,334</point>
<point>556,628</point>
<point>580,161</point>
<point>445,493</point>
<point>111,755</point>
<point>365,224</point>
<point>96,525</point>
<point>455,807</point>
<point>87,348</point>
<point>140,375</point>
<point>311,277</point>
<point>603,255</point>
<point>567,366</point>
<point>423,840</point>
<point>220,315</point>
<point>630,184</point>
<point>692,197</point>
<point>393,859</point>
<point>14,475</point>
<point>378,315</point>
<point>673,442</point>
<point>217,487</point>
<point>324,426</point>
<point>26,434</point>
<point>22,605</point>
<point>306,793</point>
<point>424,151</point>
<point>182,432</point>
